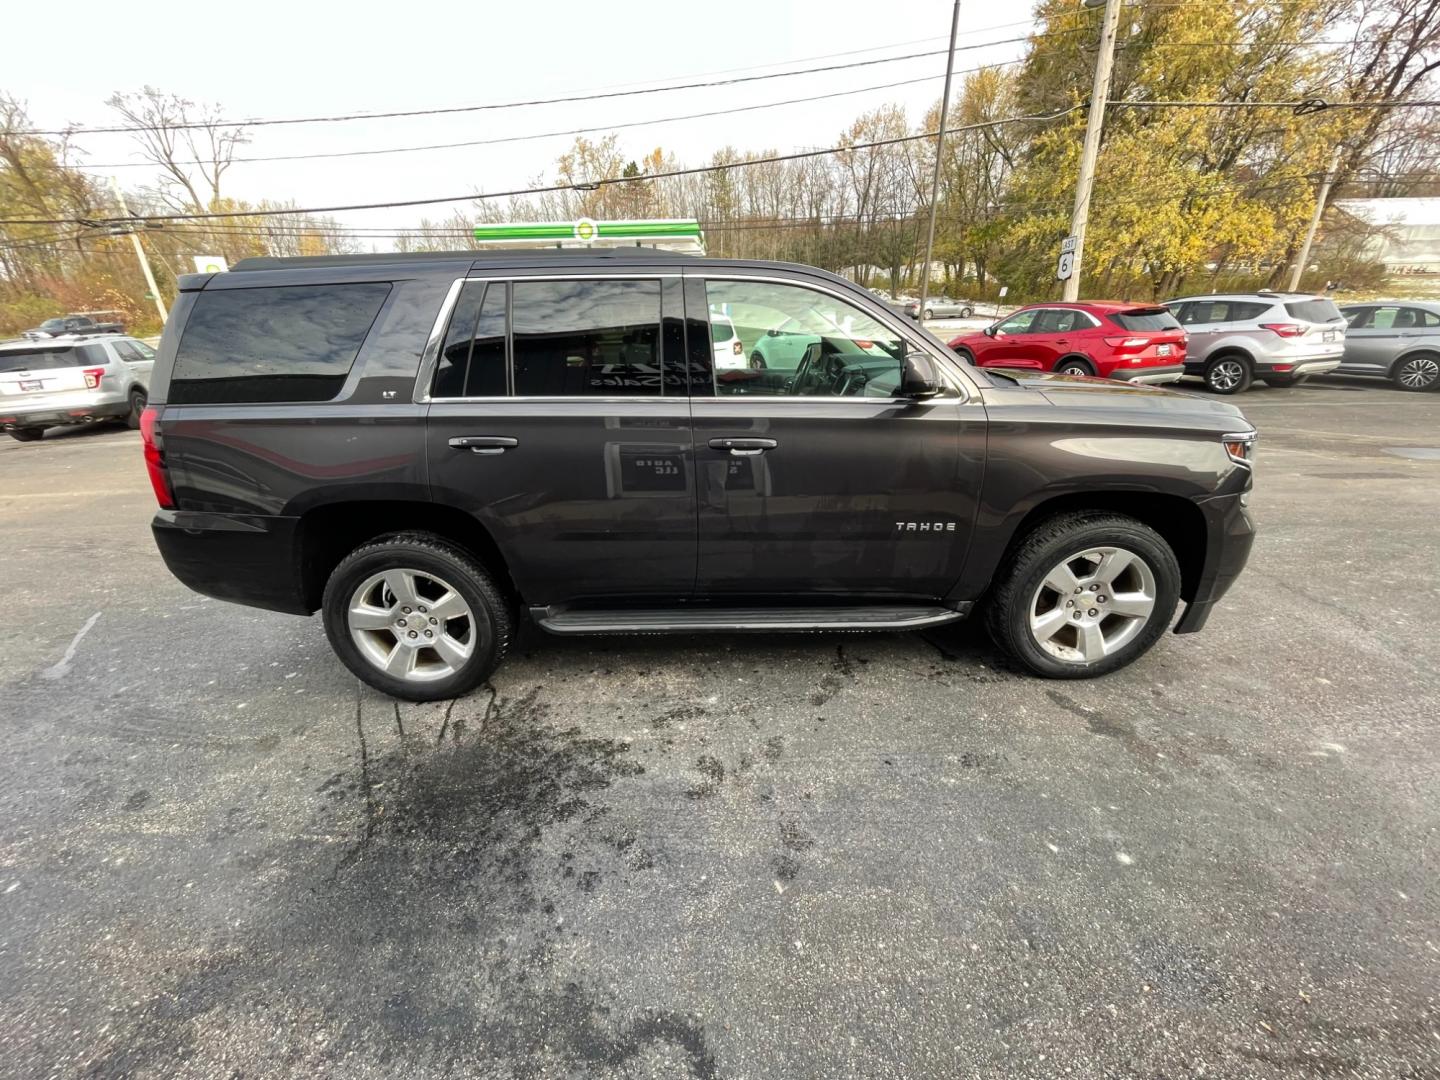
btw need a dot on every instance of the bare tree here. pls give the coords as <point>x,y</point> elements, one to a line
<point>193,144</point>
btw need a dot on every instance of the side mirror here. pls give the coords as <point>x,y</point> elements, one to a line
<point>918,379</point>
<point>772,332</point>
<point>989,331</point>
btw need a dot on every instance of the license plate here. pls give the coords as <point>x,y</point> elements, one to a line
<point>32,384</point>
<point>1329,335</point>
<point>1162,350</point>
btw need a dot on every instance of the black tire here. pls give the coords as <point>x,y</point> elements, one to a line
<point>1008,609</point>
<point>1074,365</point>
<point>1422,369</point>
<point>1286,380</point>
<point>137,406</point>
<point>493,624</point>
<point>757,362</point>
<point>966,312</point>
<point>965,355</point>
<point>27,434</point>
<point>1229,373</point>
<point>929,314</point>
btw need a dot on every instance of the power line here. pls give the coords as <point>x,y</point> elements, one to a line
<point>589,186</point>
<point>570,98</point>
<point>571,131</point>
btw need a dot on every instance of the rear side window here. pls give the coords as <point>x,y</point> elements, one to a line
<point>12,360</point>
<point>287,343</point>
<point>586,337</point>
<point>1319,310</point>
<point>1146,320</point>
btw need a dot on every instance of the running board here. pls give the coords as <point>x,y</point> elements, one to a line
<point>560,620</point>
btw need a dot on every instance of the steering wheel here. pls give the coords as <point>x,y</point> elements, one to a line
<point>802,372</point>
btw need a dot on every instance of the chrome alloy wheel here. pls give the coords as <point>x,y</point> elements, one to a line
<point>1092,604</point>
<point>411,625</point>
<point>1226,374</point>
<point>1418,373</point>
<point>1074,369</point>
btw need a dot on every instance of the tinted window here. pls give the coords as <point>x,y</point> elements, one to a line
<point>1146,320</point>
<point>486,377</point>
<point>1419,317</point>
<point>1320,311</point>
<point>1356,316</point>
<point>798,341</point>
<point>454,359</point>
<point>12,360</point>
<point>291,343</point>
<point>129,352</point>
<point>574,338</point>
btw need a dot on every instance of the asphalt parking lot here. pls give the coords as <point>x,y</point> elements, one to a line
<point>823,856</point>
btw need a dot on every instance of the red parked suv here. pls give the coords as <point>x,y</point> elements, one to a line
<point>1130,342</point>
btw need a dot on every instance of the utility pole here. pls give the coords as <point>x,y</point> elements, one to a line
<point>140,252</point>
<point>1099,91</point>
<point>935,180</point>
<point>1315,220</point>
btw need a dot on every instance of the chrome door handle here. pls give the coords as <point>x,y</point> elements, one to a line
<point>483,444</point>
<point>743,447</point>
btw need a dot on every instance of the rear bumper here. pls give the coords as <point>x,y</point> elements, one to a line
<point>1298,367</point>
<point>1230,534</point>
<point>1149,375</point>
<point>242,558</point>
<point>62,409</point>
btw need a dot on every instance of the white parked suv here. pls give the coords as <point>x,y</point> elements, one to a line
<point>72,380</point>
<point>1282,338</point>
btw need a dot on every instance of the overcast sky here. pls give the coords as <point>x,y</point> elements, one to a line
<point>269,59</point>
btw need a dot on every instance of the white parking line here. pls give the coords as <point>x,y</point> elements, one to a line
<point>60,670</point>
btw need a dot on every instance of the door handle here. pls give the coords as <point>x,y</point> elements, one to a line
<point>483,444</point>
<point>743,447</point>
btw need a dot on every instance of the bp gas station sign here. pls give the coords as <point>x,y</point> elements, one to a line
<point>671,234</point>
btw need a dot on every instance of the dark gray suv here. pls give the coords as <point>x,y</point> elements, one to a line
<point>427,448</point>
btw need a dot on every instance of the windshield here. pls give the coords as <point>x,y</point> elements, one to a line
<point>1147,320</point>
<point>13,360</point>
<point>52,324</point>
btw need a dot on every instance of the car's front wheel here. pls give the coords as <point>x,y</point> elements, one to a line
<point>1418,372</point>
<point>757,362</point>
<point>966,312</point>
<point>416,617</point>
<point>1085,593</point>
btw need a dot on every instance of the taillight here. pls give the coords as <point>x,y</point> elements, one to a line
<point>1284,329</point>
<point>738,348</point>
<point>155,458</point>
<point>93,375</point>
<point>1127,342</point>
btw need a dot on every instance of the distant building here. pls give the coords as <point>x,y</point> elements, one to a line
<point>1408,240</point>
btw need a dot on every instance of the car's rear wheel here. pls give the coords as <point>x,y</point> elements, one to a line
<point>966,312</point>
<point>1072,365</point>
<point>27,434</point>
<point>1085,594</point>
<point>929,313</point>
<point>1418,372</point>
<point>1228,374</point>
<point>416,617</point>
<point>137,406</point>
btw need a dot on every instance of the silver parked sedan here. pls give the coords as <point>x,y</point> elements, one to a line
<point>1395,340</point>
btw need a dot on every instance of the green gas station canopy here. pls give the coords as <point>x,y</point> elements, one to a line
<point>681,234</point>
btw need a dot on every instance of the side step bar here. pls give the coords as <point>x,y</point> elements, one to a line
<point>560,620</point>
